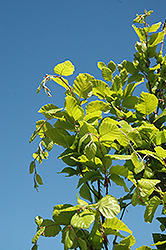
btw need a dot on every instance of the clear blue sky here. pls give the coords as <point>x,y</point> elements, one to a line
<point>36,35</point>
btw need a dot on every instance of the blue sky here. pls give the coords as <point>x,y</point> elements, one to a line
<point>36,35</point>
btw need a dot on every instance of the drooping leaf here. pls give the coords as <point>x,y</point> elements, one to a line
<point>85,192</point>
<point>31,167</point>
<point>64,69</point>
<point>151,207</point>
<point>39,179</point>
<point>37,235</point>
<point>121,170</point>
<point>47,143</point>
<point>90,150</point>
<point>119,181</point>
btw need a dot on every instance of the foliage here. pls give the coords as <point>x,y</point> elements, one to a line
<point>114,125</point>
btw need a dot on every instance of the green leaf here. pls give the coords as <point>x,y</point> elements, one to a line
<point>31,167</point>
<point>60,137</point>
<point>61,81</point>
<point>90,150</point>
<point>89,176</point>
<point>47,143</point>
<point>81,202</point>
<point>62,214</point>
<point>100,88</point>
<point>160,119</point>
<point>156,38</point>
<point>69,239</point>
<point>70,171</point>
<point>106,74</point>
<point>83,86</point>
<point>82,244</point>
<point>161,137</point>
<point>97,106</point>
<point>85,192</point>
<point>51,228</point>
<point>153,28</point>
<point>108,130</point>
<point>100,65</point>
<point>37,235</point>
<point>130,102</point>
<point>119,181</point>
<point>121,170</point>
<point>126,243</point>
<point>112,66</point>
<point>140,32</point>
<point>83,219</point>
<point>39,179</point>
<point>159,239</point>
<point>117,224</point>
<point>35,133</point>
<point>73,109</point>
<point>38,220</point>
<point>128,91</point>
<point>144,248</point>
<point>49,110</point>
<point>147,186</point>
<point>108,206</point>
<point>35,247</point>
<point>147,103</point>
<point>64,69</point>
<point>160,152</point>
<point>151,207</point>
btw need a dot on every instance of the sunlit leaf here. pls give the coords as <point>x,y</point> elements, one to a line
<point>37,235</point>
<point>106,74</point>
<point>147,103</point>
<point>108,130</point>
<point>108,206</point>
<point>83,85</point>
<point>117,224</point>
<point>64,69</point>
<point>100,65</point>
<point>83,219</point>
<point>73,108</point>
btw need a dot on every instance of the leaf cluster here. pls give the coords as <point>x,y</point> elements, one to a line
<point>94,133</point>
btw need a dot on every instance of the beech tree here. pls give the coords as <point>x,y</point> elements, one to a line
<point>116,125</point>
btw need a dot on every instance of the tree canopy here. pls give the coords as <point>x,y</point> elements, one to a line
<point>101,122</point>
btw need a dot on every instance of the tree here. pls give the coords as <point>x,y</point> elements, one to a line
<point>114,125</point>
